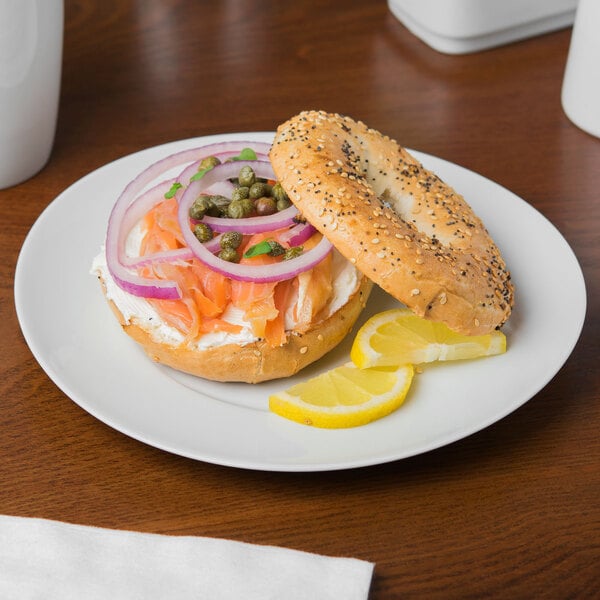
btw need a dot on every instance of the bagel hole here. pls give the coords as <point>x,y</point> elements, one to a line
<point>400,204</point>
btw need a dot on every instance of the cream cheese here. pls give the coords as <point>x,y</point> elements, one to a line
<point>139,311</point>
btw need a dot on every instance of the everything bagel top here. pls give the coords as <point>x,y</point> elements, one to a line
<point>398,222</point>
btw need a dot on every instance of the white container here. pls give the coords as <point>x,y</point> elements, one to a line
<point>581,83</point>
<point>31,39</point>
<point>463,26</point>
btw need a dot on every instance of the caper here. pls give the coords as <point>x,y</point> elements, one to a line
<point>239,209</point>
<point>235,210</point>
<point>229,254</point>
<point>201,206</point>
<point>231,239</point>
<point>265,206</point>
<point>282,204</point>
<point>276,248</point>
<point>203,232</point>
<point>258,190</point>
<point>248,206</point>
<point>219,200</point>
<point>293,252</point>
<point>246,176</point>
<point>221,203</point>
<point>299,218</point>
<point>240,193</point>
<point>279,193</point>
<point>208,163</point>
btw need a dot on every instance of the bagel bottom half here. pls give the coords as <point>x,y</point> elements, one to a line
<point>256,361</point>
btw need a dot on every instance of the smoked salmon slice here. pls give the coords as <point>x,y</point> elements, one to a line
<point>206,294</point>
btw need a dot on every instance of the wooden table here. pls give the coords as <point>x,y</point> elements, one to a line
<point>510,512</point>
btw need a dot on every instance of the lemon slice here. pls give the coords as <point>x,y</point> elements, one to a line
<point>398,336</point>
<point>344,397</point>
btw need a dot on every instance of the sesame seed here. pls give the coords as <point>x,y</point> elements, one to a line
<point>304,350</point>
<point>415,292</point>
<point>375,241</point>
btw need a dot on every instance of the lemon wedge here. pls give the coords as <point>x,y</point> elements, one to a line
<point>344,397</point>
<point>398,336</point>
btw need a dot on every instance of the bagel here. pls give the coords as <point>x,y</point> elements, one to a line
<point>396,221</point>
<point>216,295</point>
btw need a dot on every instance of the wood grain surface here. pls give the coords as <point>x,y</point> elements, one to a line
<point>510,512</point>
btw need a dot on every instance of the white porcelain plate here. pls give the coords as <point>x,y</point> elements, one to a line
<point>78,342</point>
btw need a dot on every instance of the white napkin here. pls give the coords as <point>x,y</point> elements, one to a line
<point>46,560</point>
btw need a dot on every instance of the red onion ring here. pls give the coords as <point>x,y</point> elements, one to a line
<point>191,170</point>
<point>258,274</point>
<point>220,187</point>
<point>115,235</point>
<point>170,256</point>
<point>135,211</point>
<point>250,225</point>
<point>297,235</point>
<point>130,207</point>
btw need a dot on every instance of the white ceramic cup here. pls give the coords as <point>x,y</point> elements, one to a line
<point>581,83</point>
<point>31,41</point>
